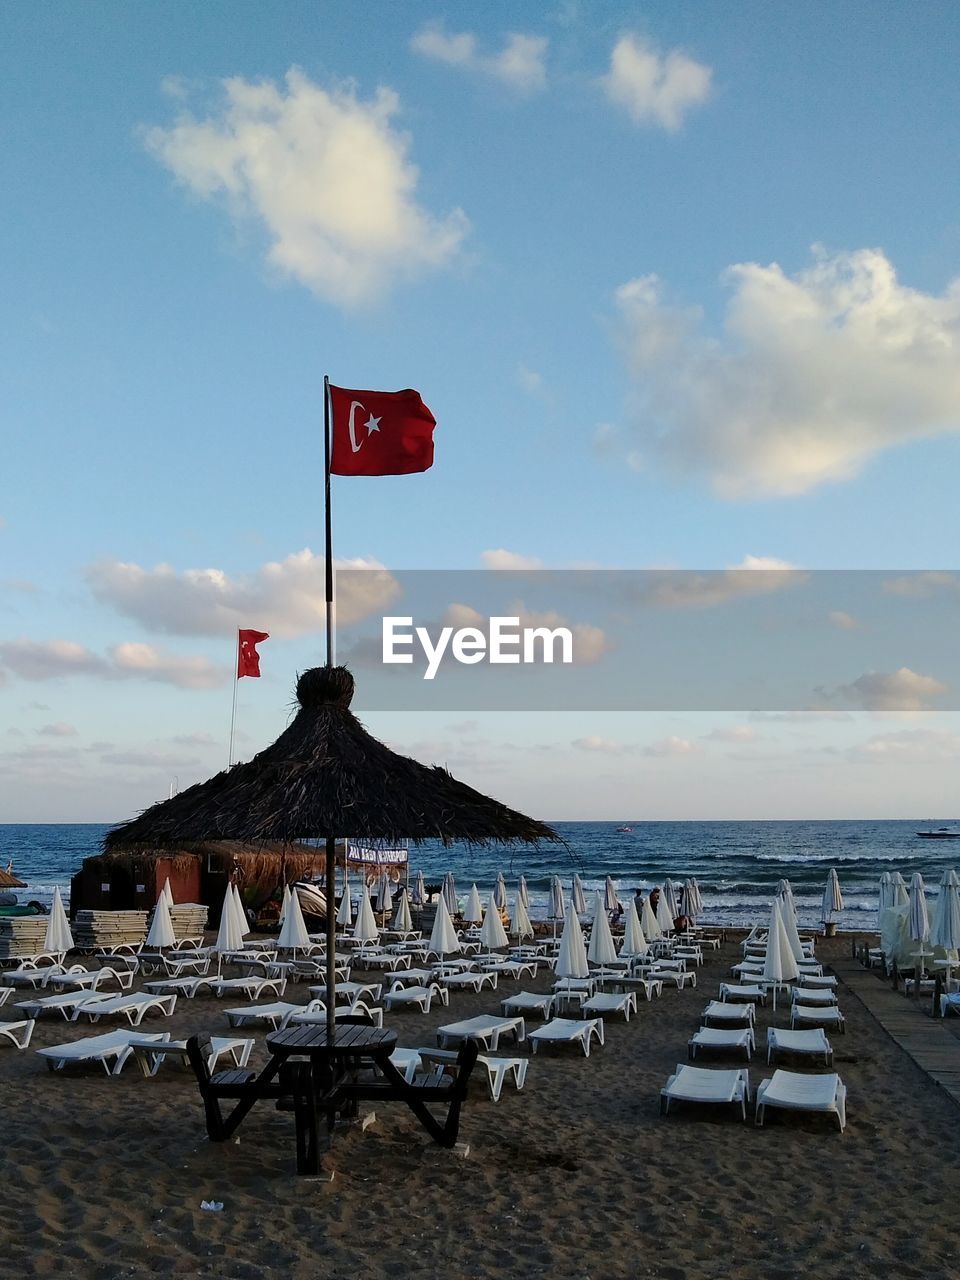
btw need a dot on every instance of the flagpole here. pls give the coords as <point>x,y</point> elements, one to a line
<point>233,713</point>
<point>328,524</point>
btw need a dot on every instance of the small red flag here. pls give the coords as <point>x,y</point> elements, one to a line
<point>380,433</point>
<point>248,660</point>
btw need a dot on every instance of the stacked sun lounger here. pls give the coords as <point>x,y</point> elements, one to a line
<point>21,936</point>
<point>189,919</point>
<point>93,930</point>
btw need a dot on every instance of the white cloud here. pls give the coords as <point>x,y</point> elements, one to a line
<point>325,175</point>
<point>738,733</point>
<point>902,690</point>
<point>285,598</point>
<point>196,740</point>
<point>671,746</point>
<point>56,659</point>
<point>590,643</point>
<point>502,559</point>
<point>812,376</point>
<point>521,63</point>
<point>58,730</point>
<point>603,746</point>
<point>843,620</point>
<point>910,745</point>
<point>653,88</point>
<point>920,585</point>
<point>691,589</point>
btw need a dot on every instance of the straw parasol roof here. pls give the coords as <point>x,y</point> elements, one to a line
<point>9,881</point>
<point>325,775</point>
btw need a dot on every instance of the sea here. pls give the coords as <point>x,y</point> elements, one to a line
<point>737,864</point>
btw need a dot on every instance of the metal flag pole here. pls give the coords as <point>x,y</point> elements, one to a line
<point>233,713</point>
<point>331,867</point>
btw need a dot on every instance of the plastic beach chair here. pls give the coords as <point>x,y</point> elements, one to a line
<point>18,1033</point>
<point>484,1028</point>
<point>812,1041</point>
<point>568,1031</point>
<point>795,1092</point>
<point>734,1039</point>
<point>111,1050</point>
<point>706,1084</point>
<point>496,1070</point>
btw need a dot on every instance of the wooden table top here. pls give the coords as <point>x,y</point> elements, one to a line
<point>349,1039</point>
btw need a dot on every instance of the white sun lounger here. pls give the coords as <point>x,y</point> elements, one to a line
<point>316,1012</point>
<point>706,1084</point>
<point>133,1007</point>
<point>484,1028</point>
<point>381,960</point>
<point>611,1002</point>
<point>739,992</point>
<point>30,975</point>
<point>515,969</point>
<point>732,1039</point>
<point>646,986</point>
<point>150,1052</point>
<point>804,1015</point>
<point>18,1033</point>
<point>814,996</point>
<point>812,1041</point>
<point>253,988</point>
<point>475,981</point>
<point>6,993</point>
<point>796,1092</point>
<point>400,996</point>
<point>406,978</point>
<point>728,1014</point>
<point>348,992</point>
<point>820,981</point>
<point>111,1050</point>
<point>528,1002</point>
<point>77,978</point>
<point>189,988</point>
<point>568,1031</point>
<point>65,1003</point>
<point>497,1069</point>
<point>679,977</point>
<point>272,1015</point>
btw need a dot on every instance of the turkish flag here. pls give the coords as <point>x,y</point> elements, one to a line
<point>248,660</point>
<point>380,433</point>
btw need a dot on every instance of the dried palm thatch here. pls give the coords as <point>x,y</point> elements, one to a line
<point>9,881</point>
<point>326,776</point>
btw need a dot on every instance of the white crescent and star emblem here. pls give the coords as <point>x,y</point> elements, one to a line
<point>372,424</point>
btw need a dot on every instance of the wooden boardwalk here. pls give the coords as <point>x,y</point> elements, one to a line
<point>929,1042</point>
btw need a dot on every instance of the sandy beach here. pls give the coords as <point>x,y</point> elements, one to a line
<point>578,1176</point>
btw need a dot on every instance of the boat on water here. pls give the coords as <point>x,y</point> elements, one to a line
<point>624,828</point>
<point>940,833</point>
<point>313,902</point>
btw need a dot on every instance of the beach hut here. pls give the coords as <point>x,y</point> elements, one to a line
<point>326,777</point>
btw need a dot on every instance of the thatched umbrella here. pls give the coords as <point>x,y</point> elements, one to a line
<point>8,880</point>
<point>326,776</point>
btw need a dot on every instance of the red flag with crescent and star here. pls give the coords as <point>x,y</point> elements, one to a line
<point>248,660</point>
<point>380,433</point>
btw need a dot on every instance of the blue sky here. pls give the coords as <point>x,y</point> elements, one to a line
<point>677,282</point>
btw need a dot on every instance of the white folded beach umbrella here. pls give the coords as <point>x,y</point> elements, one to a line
<point>229,937</point>
<point>161,926</point>
<point>785,890</point>
<point>901,895</point>
<point>293,934</point>
<point>634,943</point>
<point>284,904</point>
<point>692,904</point>
<point>449,894</point>
<point>500,892</point>
<point>557,910</point>
<point>832,897</point>
<point>521,920</point>
<point>779,962</point>
<point>885,893</point>
<point>610,899</point>
<point>384,894</point>
<point>648,922</point>
<point>345,914</point>
<point>402,920</point>
<point>365,928</point>
<point>443,938</point>
<point>419,892</point>
<point>473,911</point>
<point>945,926</point>
<point>522,892</point>
<point>243,924</point>
<point>167,892</point>
<point>918,921</point>
<point>697,897</point>
<point>665,917</point>
<point>788,919</point>
<point>493,935</point>
<point>572,956</point>
<point>601,950</point>
<point>58,939</point>
<point>577,896</point>
<point>668,894</point>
